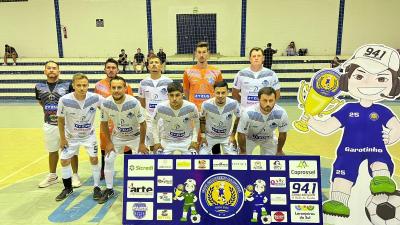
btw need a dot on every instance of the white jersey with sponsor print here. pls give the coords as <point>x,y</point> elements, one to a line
<point>177,124</point>
<point>219,119</point>
<point>79,115</point>
<point>249,83</point>
<point>259,127</point>
<point>126,117</point>
<point>154,91</point>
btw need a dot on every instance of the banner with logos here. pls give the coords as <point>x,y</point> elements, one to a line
<point>224,190</point>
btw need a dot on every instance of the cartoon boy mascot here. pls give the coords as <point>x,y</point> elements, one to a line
<point>189,198</point>
<point>259,199</point>
<point>371,75</point>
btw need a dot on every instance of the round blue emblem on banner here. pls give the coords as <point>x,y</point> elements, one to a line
<point>221,196</point>
<point>139,210</point>
<point>326,82</point>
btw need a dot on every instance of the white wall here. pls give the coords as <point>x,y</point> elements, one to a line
<point>125,26</point>
<point>370,21</point>
<point>228,22</point>
<point>310,24</point>
<point>29,27</point>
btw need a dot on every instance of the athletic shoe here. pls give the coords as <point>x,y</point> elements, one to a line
<point>49,180</point>
<point>107,194</point>
<point>96,193</point>
<point>64,194</point>
<point>382,185</point>
<point>4,64</point>
<point>14,64</point>
<point>336,208</point>
<point>76,182</point>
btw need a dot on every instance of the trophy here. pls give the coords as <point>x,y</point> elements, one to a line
<point>318,99</point>
<point>179,191</point>
<point>249,191</point>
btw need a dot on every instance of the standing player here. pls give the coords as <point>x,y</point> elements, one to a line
<point>76,112</point>
<point>258,122</point>
<point>103,88</point>
<point>48,93</point>
<point>250,80</point>
<point>153,90</point>
<point>198,81</point>
<point>216,121</point>
<point>178,117</point>
<point>128,117</point>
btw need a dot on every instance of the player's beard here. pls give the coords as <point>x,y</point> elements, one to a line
<point>118,99</point>
<point>267,109</point>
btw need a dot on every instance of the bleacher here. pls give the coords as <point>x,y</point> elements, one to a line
<point>17,82</point>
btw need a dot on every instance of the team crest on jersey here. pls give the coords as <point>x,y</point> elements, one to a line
<point>164,91</point>
<point>265,83</point>
<point>52,97</point>
<point>229,116</point>
<point>221,196</point>
<point>186,119</point>
<point>374,116</point>
<point>130,115</point>
<point>92,110</point>
<point>273,125</point>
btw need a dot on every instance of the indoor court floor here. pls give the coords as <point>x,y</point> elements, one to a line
<point>24,165</point>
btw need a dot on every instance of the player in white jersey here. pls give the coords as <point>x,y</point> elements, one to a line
<point>76,112</point>
<point>257,125</point>
<point>250,80</point>
<point>180,123</point>
<point>153,90</point>
<point>129,129</point>
<point>216,121</point>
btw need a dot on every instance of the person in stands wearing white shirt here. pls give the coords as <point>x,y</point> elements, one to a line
<point>76,112</point>
<point>152,91</point>
<point>180,123</point>
<point>129,129</point>
<point>250,80</point>
<point>258,123</point>
<point>216,119</point>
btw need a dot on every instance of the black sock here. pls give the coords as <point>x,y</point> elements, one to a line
<point>67,183</point>
<point>102,159</point>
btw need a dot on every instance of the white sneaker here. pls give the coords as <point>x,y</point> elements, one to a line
<point>76,182</point>
<point>14,64</point>
<point>4,64</point>
<point>49,180</point>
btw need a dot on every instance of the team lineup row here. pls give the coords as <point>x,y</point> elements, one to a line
<point>161,119</point>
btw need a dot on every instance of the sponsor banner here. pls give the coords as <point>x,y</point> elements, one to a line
<point>221,189</point>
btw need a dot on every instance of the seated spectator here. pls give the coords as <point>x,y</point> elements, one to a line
<point>150,54</point>
<point>10,52</point>
<point>335,62</point>
<point>138,61</point>
<point>123,59</point>
<point>291,49</point>
<point>163,57</point>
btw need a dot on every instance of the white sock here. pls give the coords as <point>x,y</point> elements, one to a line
<point>96,175</point>
<point>382,172</point>
<point>340,197</point>
<point>66,172</point>
<point>109,169</point>
<point>52,174</point>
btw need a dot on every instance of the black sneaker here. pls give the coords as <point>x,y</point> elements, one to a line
<point>107,194</point>
<point>96,193</point>
<point>64,194</point>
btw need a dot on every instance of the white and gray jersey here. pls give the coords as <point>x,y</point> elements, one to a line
<point>259,127</point>
<point>126,117</point>
<point>154,92</point>
<point>219,119</point>
<point>250,82</point>
<point>177,124</point>
<point>79,115</point>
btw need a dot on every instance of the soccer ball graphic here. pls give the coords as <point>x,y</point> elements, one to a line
<point>195,218</point>
<point>383,209</point>
<point>266,219</point>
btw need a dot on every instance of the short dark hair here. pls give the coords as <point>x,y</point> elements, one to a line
<point>255,49</point>
<point>174,86</point>
<point>118,78</point>
<point>122,50</point>
<point>111,60</point>
<point>221,84</point>
<point>266,91</point>
<point>202,44</point>
<point>269,45</point>
<point>51,61</point>
<point>6,46</point>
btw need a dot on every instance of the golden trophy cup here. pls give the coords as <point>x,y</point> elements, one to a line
<point>319,97</point>
<point>248,192</point>
<point>179,191</point>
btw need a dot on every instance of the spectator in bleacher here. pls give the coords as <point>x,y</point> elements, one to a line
<point>103,88</point>
<point>10,52</point>
<point>163,57</point>
<point>291,49</point>
<point>149,55</point>
<point>268,55</point>
<point>138,61</point>
<point>123,59</point>
<point>199,80</point>
<point>251,79</point>
<point>335,62</point>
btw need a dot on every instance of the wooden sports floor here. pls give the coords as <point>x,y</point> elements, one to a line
<point>23,164</point>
